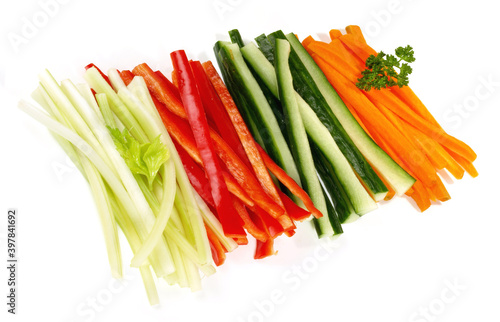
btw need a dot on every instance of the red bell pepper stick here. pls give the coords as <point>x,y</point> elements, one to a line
<point>218,251</point>
<point>100,72</point>
<point>196,176</point>
<point>173,89</point>
<point>193,105</point>
<point>241,240</point>
<point>180,131</point>
<point>126,76</point>
<point>217,113</point>
<point>241,129</point>
<point>161,88</point>
<point>294,211</point>
<point>289,183</point>
<point>236,167</point>
<point>262,249</point>
<point>271,225</point>
<point>249,225</point>
<point>174,80</point>
<point>246,179</point>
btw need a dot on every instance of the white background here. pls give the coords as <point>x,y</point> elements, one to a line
<point>387,266</point>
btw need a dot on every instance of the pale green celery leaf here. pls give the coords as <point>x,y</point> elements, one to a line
<point>145,159</point>
<point>155,155</point>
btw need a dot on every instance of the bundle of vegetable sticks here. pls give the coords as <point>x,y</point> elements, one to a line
<point>188,168</point>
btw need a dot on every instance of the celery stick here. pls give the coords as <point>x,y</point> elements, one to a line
<point>95,80</point>
<point>213,223</point>
<point>149,284</point>
<point>106,112</point>
<point>68,110</point>
<point>86,92</point>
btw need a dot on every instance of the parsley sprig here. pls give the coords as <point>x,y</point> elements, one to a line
<point>381,70</point>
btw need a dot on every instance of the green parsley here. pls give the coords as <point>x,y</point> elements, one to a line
<point>381,70</point>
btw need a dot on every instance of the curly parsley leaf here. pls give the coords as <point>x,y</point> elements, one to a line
<point>381,70</point>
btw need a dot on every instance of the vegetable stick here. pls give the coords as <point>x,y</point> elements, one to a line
<point>424,170</point>
<point>356,32</point>
<point>243,133</point>
<point>289,183</point>
<point>218,251</point>
<point>334,34</point>
<point>248,224</point>
<point>467,165</point>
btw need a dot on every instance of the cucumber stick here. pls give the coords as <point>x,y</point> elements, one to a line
<point>299,143</point>
<point>246,87</point>
<point>356,193</point>
<point>399,180</point>
<point>306,87</point>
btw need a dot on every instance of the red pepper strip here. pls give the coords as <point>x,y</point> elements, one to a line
<point>173,88</point>
<point>217,113</point>
<point>241,240</point>
<point>100,72</point>
<point>218,251</point>
<point>271,225</point>
<point>181,133</point>
<point>249,225</point>
<point>247,141</point>
<point>196,176</point>
<point>290,233</point>
<point>246,179</point>
<point>295,212</point>
<point>161,88</point>
<point>242,174</point>
<point>289,183</point>
<point>231,223</point>
<point>262,249</point>
<point>126,76</point>
<point>174,79</point>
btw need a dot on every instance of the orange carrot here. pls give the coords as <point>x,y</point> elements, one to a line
<point>307,41</point>
<point>467,165</point>
<point>375,118</point>
<point>440,191</point>
<point>334,34</point>
<point>362,51</point>
<point>356,32</point>
<point>384,96</point>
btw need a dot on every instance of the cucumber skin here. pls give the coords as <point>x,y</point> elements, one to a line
<point>299,144</point>
<point>307,88</point>
<point>396,176</point>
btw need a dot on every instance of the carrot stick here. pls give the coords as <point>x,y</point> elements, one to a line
<point>406,94</point>
<point>348,56</point>
<point>356,32</point>
<point>439,190</point>
<point>417,192</point>
<point>375,118</point>
<point>467,165</point>
<point>307,41</point>
<point>334,34</point>
<point>385,97</point>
